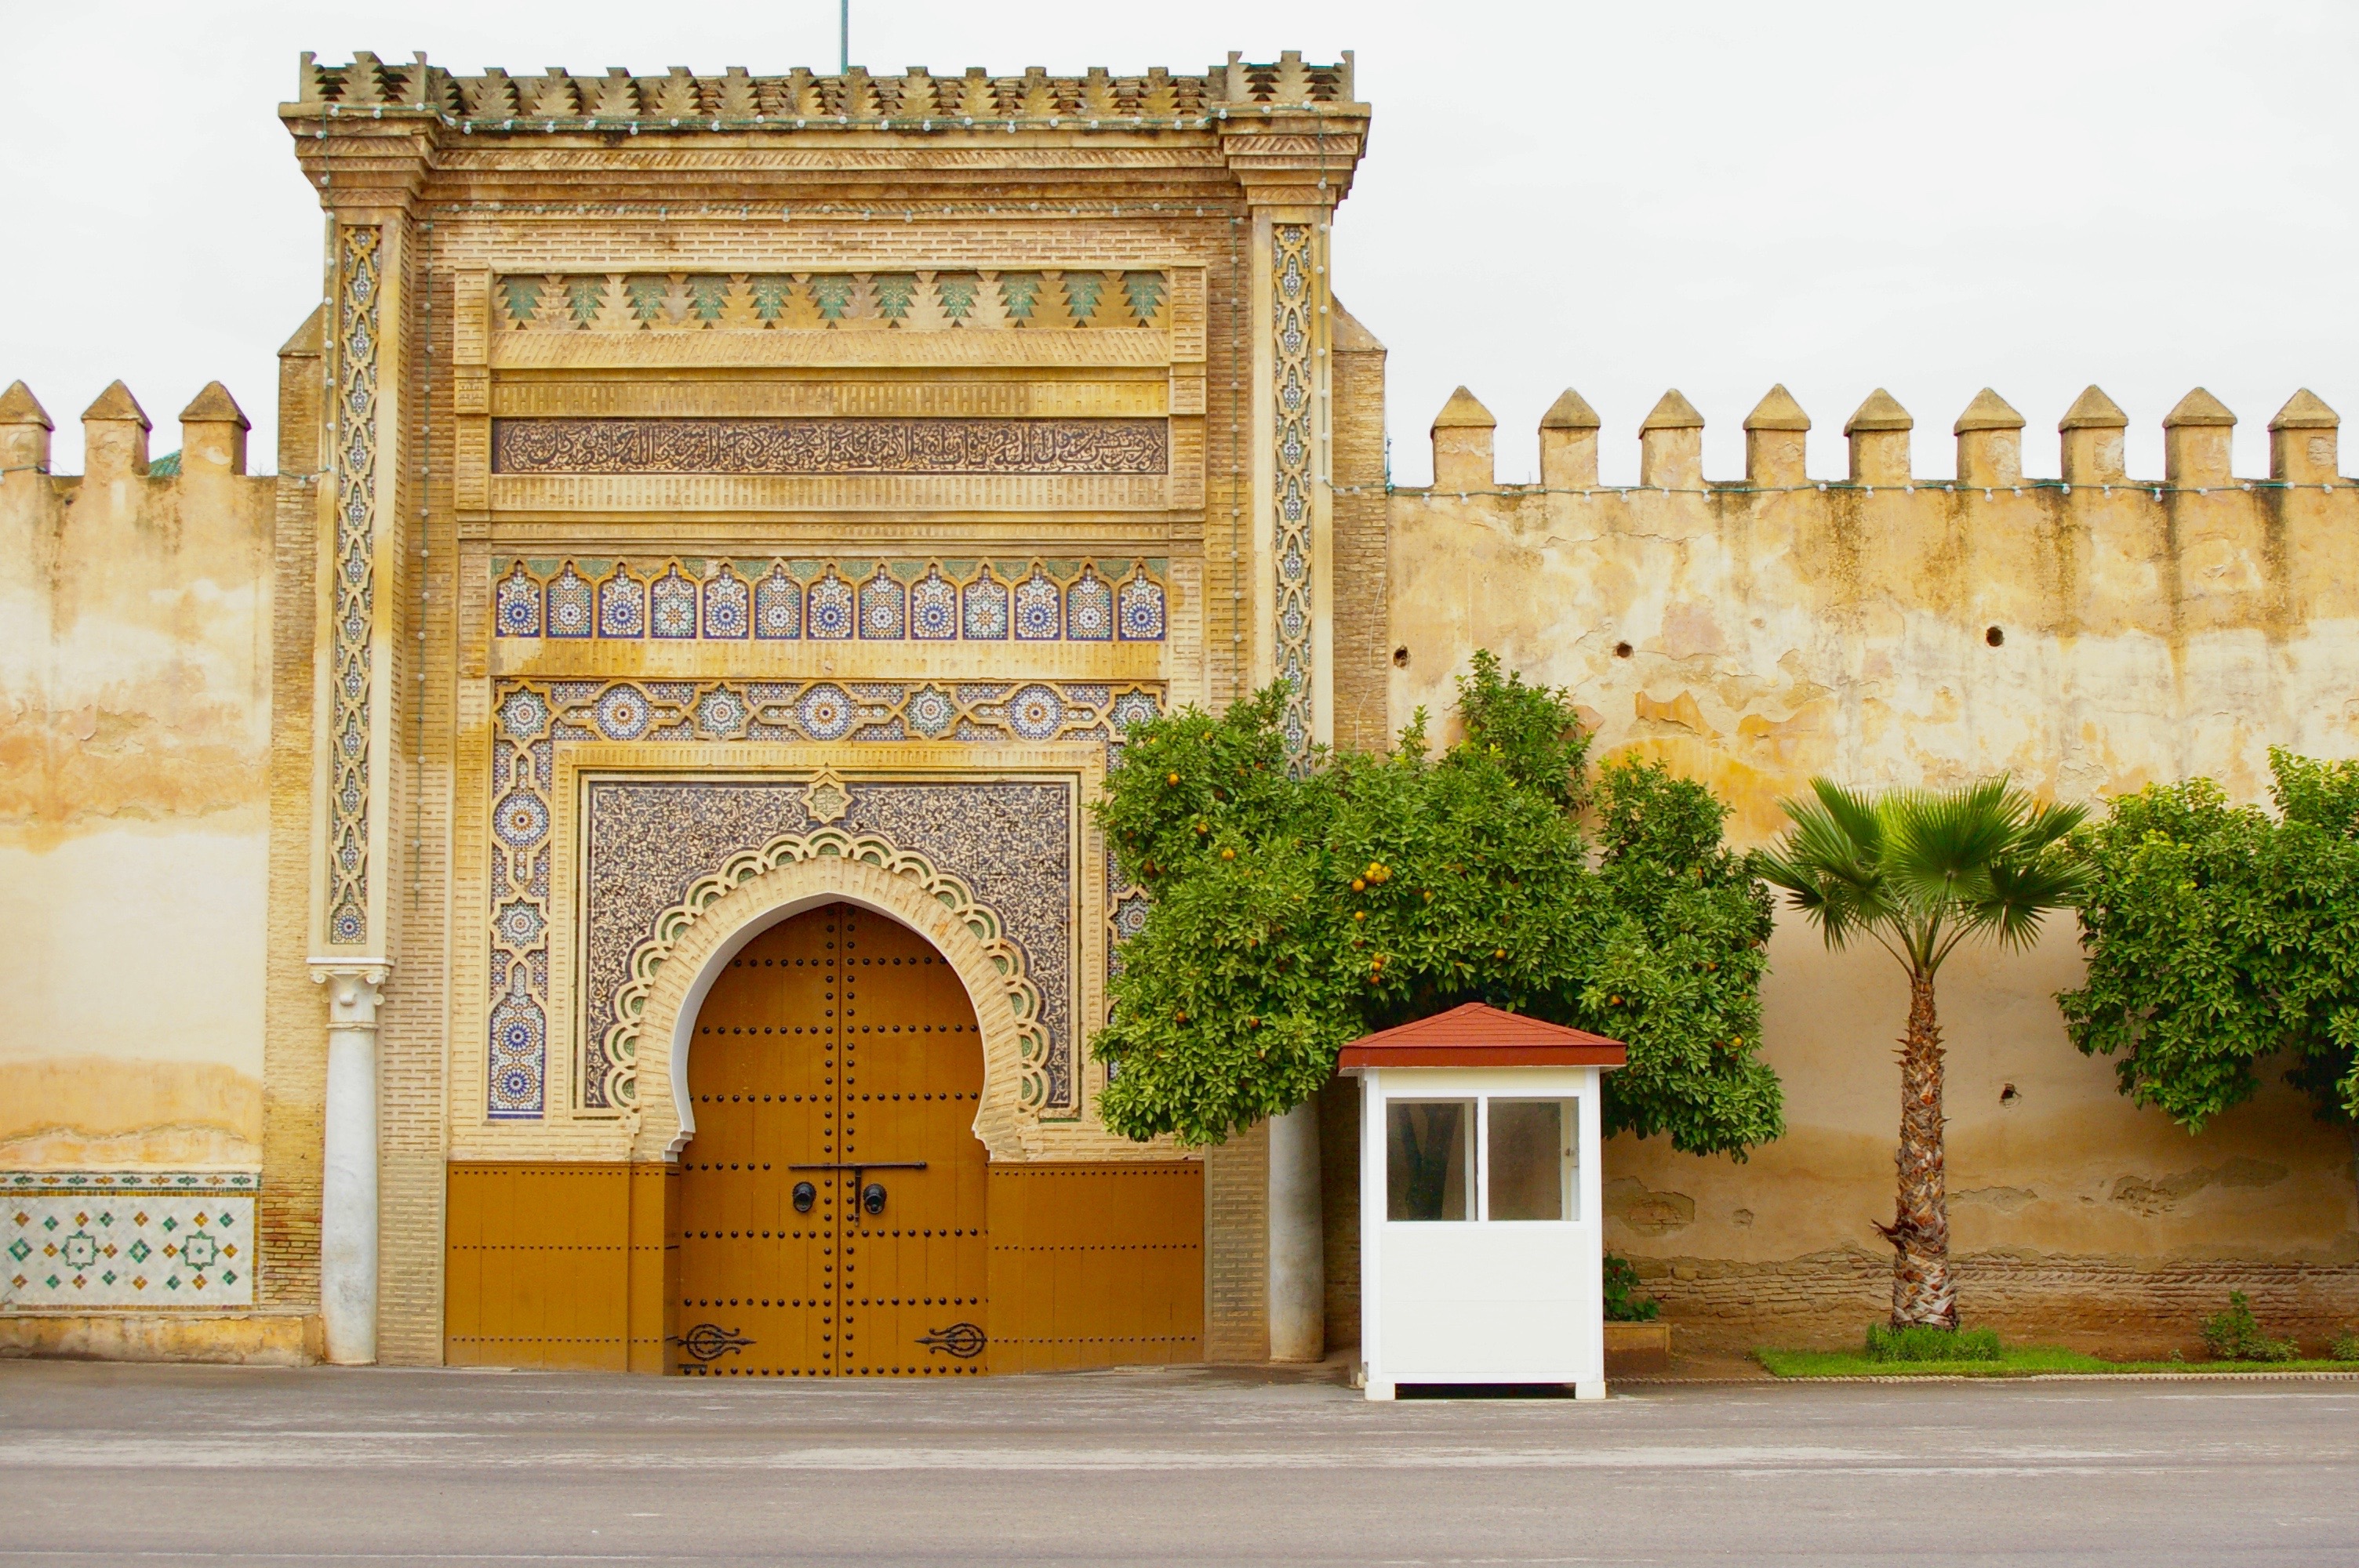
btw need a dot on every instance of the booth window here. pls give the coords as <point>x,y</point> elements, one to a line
<point>1429,1158</point>
<point>1532,1160</point>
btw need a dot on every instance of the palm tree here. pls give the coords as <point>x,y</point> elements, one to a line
<point>1922,871</point>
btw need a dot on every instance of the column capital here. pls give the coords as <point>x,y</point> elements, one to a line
<point>354,992</point>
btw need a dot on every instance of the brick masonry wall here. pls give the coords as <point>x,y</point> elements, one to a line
<point>412,1033</point>
<point>1362,647</point>
<point>1236,1248</point>
<point>2117,1307</point>
<point>294,1051</point>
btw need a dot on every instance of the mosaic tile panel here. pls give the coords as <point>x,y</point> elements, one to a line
<point>534,717</point>
<point>78,1240</point>
<point>1010,843</point>
<point>831,600</point>
<point>1291,268</point>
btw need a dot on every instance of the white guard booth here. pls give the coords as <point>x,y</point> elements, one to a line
<point>1481,1244</point>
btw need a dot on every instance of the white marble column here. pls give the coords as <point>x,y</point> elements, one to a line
<point>348,1207</point>
<point>1298,1252</point>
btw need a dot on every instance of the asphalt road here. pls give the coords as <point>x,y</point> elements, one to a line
<point>201,1464</point>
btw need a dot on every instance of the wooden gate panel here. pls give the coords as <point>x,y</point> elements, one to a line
<point>1097,1264</point>
<point>537,1265</point>
<point>762,1077</point>
<point>915,1271</point>
<point>834,1039</point>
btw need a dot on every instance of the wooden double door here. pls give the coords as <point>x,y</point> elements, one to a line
<point>832,1199</point>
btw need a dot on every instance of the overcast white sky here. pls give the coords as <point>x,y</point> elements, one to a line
<point>1616,197</point>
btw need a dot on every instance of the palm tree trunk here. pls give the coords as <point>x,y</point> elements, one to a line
<point>1919,1231</point>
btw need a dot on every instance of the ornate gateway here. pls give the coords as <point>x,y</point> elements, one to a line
<point>755,510</point>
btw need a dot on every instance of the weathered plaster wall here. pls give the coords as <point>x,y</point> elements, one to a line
<point>2087,639</point>
<point>133,725</point>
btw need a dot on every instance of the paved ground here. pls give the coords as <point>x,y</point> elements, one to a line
<point>158,1464</point>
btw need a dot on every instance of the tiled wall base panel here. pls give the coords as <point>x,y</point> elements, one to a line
<point>1096,1265</point>
<point>244,1340</point>
<point>564,1266</point>
<point>2119,1307</point>
<point>78,1240</point>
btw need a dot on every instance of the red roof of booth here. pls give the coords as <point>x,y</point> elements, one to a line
<point>1479,1035</point>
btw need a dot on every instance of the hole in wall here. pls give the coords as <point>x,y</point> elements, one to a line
<point>2007,1094</point>
<point>1622,650</point>
<point>1996,636</point>
<point>1400,658</point>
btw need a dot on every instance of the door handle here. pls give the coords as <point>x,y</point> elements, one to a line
<point>872,1197</point>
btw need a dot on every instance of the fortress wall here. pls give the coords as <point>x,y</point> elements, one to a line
<point>134,730</point>
<point>2088,635</point>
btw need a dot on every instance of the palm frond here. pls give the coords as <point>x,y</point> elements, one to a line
<point>1829,862</point>
<point>1856,814</point>
<point>2050,824</point>
<point>1944,842</point>
<point>2024,889</point>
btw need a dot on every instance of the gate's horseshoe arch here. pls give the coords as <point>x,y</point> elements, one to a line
<point>693,941</point>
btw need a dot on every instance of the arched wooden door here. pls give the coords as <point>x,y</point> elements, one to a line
<point>831,1202</point>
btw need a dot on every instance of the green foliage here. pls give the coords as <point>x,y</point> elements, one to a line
<point>2219,934</point>
<point>2236,1336</point>
<point>1530,731</point>
<point>1926,1342</point>
<point>1292,913</point>
<point>1920,871</point>
<point>1622,1303</point>
<point>1673,952</point>
<point>2345,1347</point>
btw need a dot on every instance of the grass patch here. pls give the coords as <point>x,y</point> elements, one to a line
<point>2015,1361</point>
<point>1923,1341</point>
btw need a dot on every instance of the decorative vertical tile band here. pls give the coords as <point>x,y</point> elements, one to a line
<point>354,591</point>
<point>1290,277</point>
<point>79,1239</point>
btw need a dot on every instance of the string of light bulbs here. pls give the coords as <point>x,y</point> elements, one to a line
<point>1738,487</point>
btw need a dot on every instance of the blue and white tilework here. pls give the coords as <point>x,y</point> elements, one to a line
<point>81,1239</point>
<point>831,600</point>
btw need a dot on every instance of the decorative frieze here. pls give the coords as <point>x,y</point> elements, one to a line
<point>74,1240</point>
<point>532,719</point>
<point>915,301</point>
<point>831,446</point>
<point>688,599</point>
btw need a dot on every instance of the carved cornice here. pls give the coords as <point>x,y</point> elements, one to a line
<point>384,133</point>
<point>1291,158</point>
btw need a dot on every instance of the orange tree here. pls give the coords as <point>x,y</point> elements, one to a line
<point>1292,911</point>
<point>2220,936</point>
